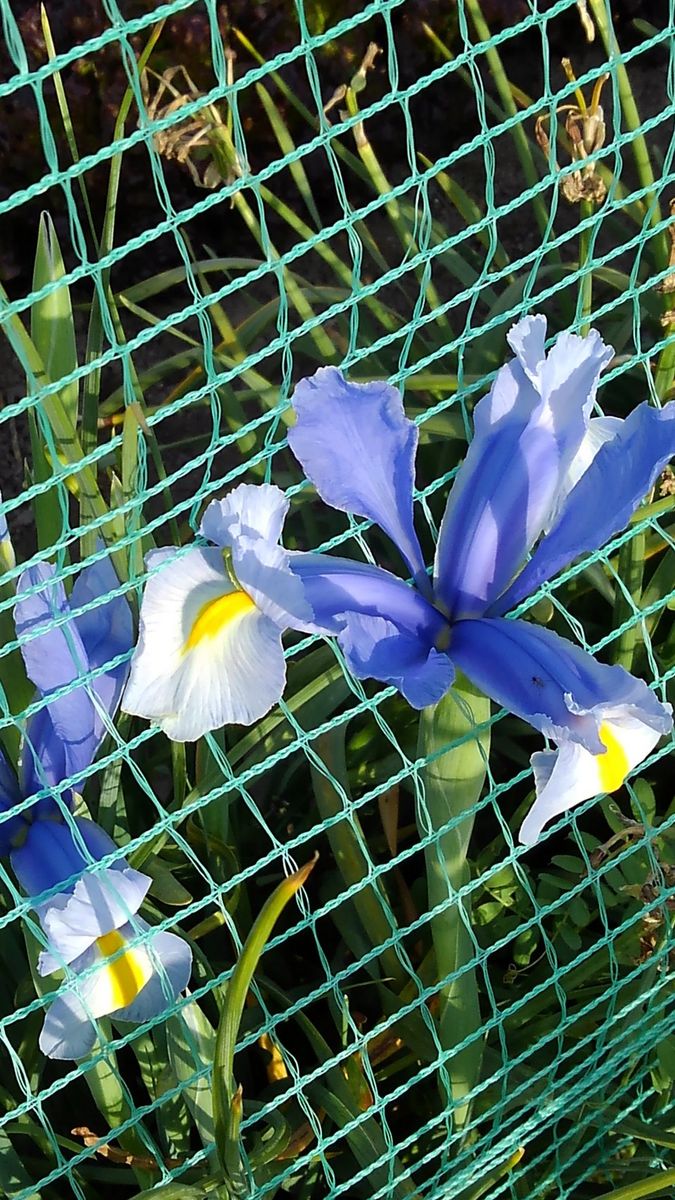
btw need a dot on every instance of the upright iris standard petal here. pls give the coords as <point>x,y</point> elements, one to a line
<point>527,433</point>
<point>248,523</point>
<point>56,658</point>
<point>252,509</point>
<point>569,775</point>
<point>607,494</point>
<point>107,630</point>
<point>94,931</point>
<point>42,763</point>
<point>527,339</point>
<point>62,738</point>
<point>555,686</point>
<point>599,431</point>
<point>357,447</point>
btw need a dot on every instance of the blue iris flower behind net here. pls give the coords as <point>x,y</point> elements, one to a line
<point>89,914</point>
<point>543,482</point>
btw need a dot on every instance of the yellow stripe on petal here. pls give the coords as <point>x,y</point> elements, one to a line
<point>215,615</point>
<point>613,764</point>
<point>127,974</point>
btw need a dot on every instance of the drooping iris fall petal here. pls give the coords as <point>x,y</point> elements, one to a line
<point>567,776</point>
<point>556,686</point>
<point>209,650</point>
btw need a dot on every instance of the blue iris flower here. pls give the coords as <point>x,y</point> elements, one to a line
<point>90,923</point>
<point>114,964</point>
<point>541,478</point>
<point>62,737</point>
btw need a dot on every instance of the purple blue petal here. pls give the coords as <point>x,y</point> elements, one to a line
<point>49,854</point>
<point>527,432</point>
<point>603,500</point>
<point>62,738</point>
<point>338,586</point>
<point>548,681</point>
<point>10,795</point>
<point>357,447</point>
<point>377,649</point>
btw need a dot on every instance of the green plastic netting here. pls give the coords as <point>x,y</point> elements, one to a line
<point>292,198</point>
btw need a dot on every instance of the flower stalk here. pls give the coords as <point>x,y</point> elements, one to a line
<point>454,740</point>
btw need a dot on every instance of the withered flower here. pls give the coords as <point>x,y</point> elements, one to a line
<point>585,129</point>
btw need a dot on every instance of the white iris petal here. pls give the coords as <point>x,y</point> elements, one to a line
<point>209,651</point>
<point>571,774</point>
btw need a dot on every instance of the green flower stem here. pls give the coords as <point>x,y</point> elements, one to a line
<point>631,117</point>
<point>455,744</point>
<point>586,282</point>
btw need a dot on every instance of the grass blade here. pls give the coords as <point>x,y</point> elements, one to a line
<point>329,773</point>
<point>287,147</point>
<point>52,325</point>
<point>520,139</point>
<point>640,1189</point>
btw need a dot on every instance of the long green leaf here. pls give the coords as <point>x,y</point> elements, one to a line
<point>191,1044</point>
<point>522,144</point>
<point>226,1096</point>
<point>366,1139</point>
<point>655,1185</point>
<point>67,442</point>
<point>366,1142</point>
<point>346,842</point>
<point>66,118</point>
<point>287,147</point>
<point>53,336</point>
<point>51,319</point>
<point>14,1179</point>
<point>103,295</point>
<point>103,1081</point>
